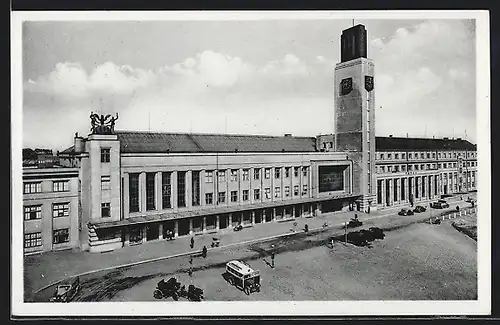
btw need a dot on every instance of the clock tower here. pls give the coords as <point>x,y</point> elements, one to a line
<point>355,112</point>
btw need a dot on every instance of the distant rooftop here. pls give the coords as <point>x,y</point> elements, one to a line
<point>394,143</point>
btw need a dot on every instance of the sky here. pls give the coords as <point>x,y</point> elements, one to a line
<point>243,77</point>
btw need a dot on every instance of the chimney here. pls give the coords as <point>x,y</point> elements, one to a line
<point>79,145</point>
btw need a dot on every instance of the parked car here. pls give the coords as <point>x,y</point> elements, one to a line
<point>419,209</point>
<point>405,212</point>
<point>238,227</point>
<point>66,291</point>
<point>441,204</point>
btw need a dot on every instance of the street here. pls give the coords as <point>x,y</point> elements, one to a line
<point>303,254</point>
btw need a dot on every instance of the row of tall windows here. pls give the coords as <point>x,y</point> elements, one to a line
<point>166,188</point>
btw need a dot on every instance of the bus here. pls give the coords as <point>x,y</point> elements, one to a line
<point>242,276</point>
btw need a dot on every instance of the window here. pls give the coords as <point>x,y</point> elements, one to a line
<point>33,212</point>
<point>256,173</point>
<point>209,198</point>
<point>287,191</point>
<point>245,195</point>
<point>439,155</point>
<point>32,187</point>
<point>195,188</point>
<point>454,165</point>
<point>428,166</point>
<point>403,168</point>
<point>296,171</point>
<point>296,190</point>
<point>422,167</point>
<point>60,186</point>
<point>150,191</point>
<point>287,172</point>
<point>222,197</point>
<point>33,239</point>
<point>234,175</point>
<point>209,176</point>
<point>267,192</point>
<point>60,210</point>
<point>433,155</point>
<point>396,169</point>
<point>245,174</point>
<point>105,155</point>
<point>267,173</point>
<point>105,210</point>
<point>382,169</point>
<point>181,189</point>
<point>428,155</point>
<point>277,172</point>
<point>234,196</point>
<point>416,167</point>
<point>277,192</point>
<point>389,156</point>
<point>166,190</point>
<point>133,192</point>
<point>410,156</point>
<point>221,174</point>
<point>410,168</point>
<point>403,156</point>
<point>396,156</point>
<point>304,171</point>
<point>422,155</point>
<point>61,236</point>
<point>256,194</point>
<point>304,189</point>
<point>105,183</point>
<point>389,169</point>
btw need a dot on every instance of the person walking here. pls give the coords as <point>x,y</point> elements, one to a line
<point>204,252</point>
<point>306,228</point>
<point>192,242</point>
<point>272,260</point>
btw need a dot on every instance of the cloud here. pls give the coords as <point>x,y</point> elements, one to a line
<point>427,71</point>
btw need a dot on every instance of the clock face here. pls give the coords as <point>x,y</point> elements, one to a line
<point>346,86</point>
<point>369,83</point>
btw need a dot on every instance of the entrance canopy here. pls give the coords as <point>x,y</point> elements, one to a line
<point>213,211</point>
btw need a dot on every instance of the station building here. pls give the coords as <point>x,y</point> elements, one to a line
<point>134,187</point>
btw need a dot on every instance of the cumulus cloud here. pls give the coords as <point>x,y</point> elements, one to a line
<point>425,73</point>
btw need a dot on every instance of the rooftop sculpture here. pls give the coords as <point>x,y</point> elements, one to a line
<point>102,124</point>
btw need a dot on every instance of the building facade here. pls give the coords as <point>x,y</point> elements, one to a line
<point>135,187</point>
<point>50,209</point>
<point>411,170</point>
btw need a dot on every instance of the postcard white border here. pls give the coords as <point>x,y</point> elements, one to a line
<point>261,308</point>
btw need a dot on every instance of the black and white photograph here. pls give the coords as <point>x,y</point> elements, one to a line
<point>250,163</point>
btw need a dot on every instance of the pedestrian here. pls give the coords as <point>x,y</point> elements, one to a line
<point>272,260</point>
<point>368,209</point>
<point>192,242</point>
<point>306,228</point>
<point>458,208</point>
<point>204,252</point>
<point>191,259</point>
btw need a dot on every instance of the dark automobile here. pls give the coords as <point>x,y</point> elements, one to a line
<point>436,221</point>
<point>357,238</point>
<point>441,204</point>
<point>238,227</point>
<point>165,289</point>
<point>353,223</point>
<point>419,209</point>
<point>192,293</point>
<point>377,232</point>
<point>66,291</point>
<point>405,212</point>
